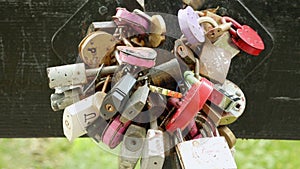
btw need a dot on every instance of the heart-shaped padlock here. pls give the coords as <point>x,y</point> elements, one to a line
<point>246,38</point>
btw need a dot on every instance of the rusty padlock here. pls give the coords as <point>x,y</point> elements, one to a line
<point>246,38</point>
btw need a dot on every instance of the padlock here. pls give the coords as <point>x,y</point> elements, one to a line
<point>192,102</point>
<point>96,48</point>
<point>67,75</point>
<point>184,52</point>
<point>107,26</point>
<point>217,30</point>
<point>158,30</point>
<point>137,56</point>
<point>153,156</point>
<point>65,97</point>
<point>117,97</point>
<point>80,115</point>
<point>136,22</point>
<point>228,134</point>
<point>229,100</point>
<point>188,22</point>
<point>207,153</point>
<point>113,133</point>
<point>226,43</point>
<point>96,128</point>
<point>245,37</point>
<point>135,104</point>
<point>132,146</point>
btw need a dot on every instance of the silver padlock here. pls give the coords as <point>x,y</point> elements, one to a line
<point>80,115</point>
<point>153,153</point>
<point>117,97</point>
<point>206,153</point>
<point>135,104</point>
<point>65,97</point>
<point>107,26</point>
<point>132,146</point>
<point>225,42</point>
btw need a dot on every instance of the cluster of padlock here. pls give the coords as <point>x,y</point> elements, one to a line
<point>153,102</point>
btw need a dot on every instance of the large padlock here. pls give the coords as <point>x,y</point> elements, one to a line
<point>188,22</point>
<point>225,42</point>
<point>132,147</point>
<point>117,97</point>
<point>135,104</point>
<point>113,134</point>
<point>129,19</point>
<point>206,153</point>
<point>192,102</point>
<point>137,56</point>
<point>96,48</point>
<point>81,114</point>
<point>153,156</point>
<point>245,37</point>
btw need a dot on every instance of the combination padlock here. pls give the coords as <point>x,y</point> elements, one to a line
<point>137,56</point>
<point>96,48</point>
<point>132,147</point>
<point>153,156</point>
<point>136,22</point>
<point>192,102</point>
<point>117,97</point>
<point>135,104</point>
<point>188,22</point>
<point>245,37</point>
<point>80,115</point>
<point>113,133</point>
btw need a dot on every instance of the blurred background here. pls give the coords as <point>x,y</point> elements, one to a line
<point>83,153</point>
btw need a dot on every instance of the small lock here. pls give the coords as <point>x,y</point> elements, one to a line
<point>79,115</point>
<point>137,56</point>
<point>107,26</point>
<point>136,22</point>
<point>188,22</point>
<point>117,97</point>
<point>192,102</point>
<point>114,132</point>
<point>158,30</point>
<point>184,52</point>
<point>63,98</point>
<point>135,104</point>
<point>96,48</point>
<point>132,146</point>
<point>245,37</point>
<point>217,30</point>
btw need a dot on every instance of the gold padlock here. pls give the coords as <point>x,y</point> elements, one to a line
<point>96,48</point>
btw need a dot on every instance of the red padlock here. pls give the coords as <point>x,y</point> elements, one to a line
<point>245,37</point>
<point>192,103</point>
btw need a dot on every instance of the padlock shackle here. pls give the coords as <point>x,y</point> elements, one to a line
<point>237,25</point>
<point>206,19</point>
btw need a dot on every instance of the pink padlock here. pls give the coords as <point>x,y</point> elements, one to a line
<point>114,132</point>
<point>136,22</point>
<point>245,37</point>
<point>137,56</point>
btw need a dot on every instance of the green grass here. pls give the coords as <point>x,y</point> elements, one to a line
<point>83,153</point>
